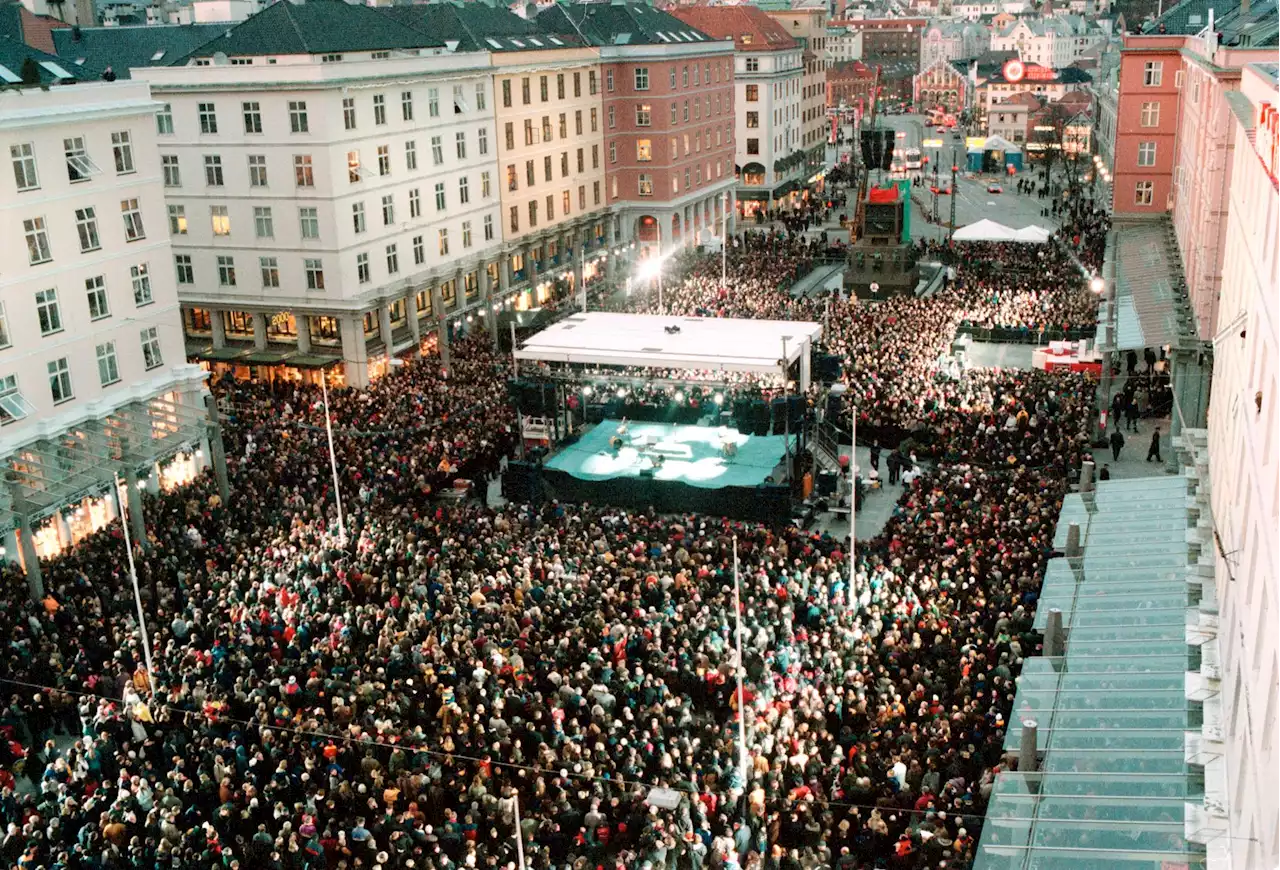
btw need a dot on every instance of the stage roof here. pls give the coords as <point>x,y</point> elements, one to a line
<point>705,343</point>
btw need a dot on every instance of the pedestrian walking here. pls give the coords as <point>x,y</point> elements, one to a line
<point>875,455</point>
<point>1117,441</point>
<point>1131,415</point>
<point>1153,452</point>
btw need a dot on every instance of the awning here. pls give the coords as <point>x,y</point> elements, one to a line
<point>312,361</point>
<point>265,357</point>
<point>218,354</point>
<point>1147,270</point>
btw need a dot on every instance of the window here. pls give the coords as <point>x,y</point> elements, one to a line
<point>227,271</point>
<point>644,150</point>
<point>464,190</point>
<point>753,64</point>
<point>411,155</point>
<point>506,93</point>
<point>643,115</point>
<point>406,105</point>
<point>513,180</point>
<point>1146,154</point>
<point>379,109</point>
<point>331,58</point>
<point>164,121</point>
<point>348,113</point>
<point>673,78</point>
<point>753,146</point>
<point>220,220</point>
<point>309,223</point>
<point>613,118</point>
<point>581,165</point>
<point>257,170</point>
<point>79,166</point>
<point>108,368</point>
<point>303,175</point>
<point>357,215</point>
<point>593,87</point>
<point>486,186</point>
<point>753,93</point>
<point>546,128</point>
<point>262,223</point>
<point>1143,193</point>
<point>646,184</point>
<point>525,98</point>
<point>529,176</point>
<point>564,126</point>
<point>47,312</point>
<point>141,278</point>
<point>753,120</point>
<point>565,201</point>
<point>393,260</point>
<point>582,197</point>
<point>684,77</point>
<point>388,211</point>
<point>515,219</point>
<point>483,140</point>
<point>60,381</point>
<point>87,229</point>
<point>488,228</point>
<point>177,220</point>
<point>213,170</point>
<point>133,229</point>
<point>551,207</point>
<point>314,270</point>
<point>433,102</point>
<point>1152,73</point>
<point>384,160</point>
<point>95,290</point>
<point>437,150</point>
<point>595,121</point>
<point>24,166</point>
<point>122,151</point>
<point>363,274</point>
<point>415,203</point>
<point>510,131</point>
<point>186,275</point>
<point>642,78</point>
<point>686,110</point>
<point>533,214</point>
<point>466,234</point>
<point>1150,116</point>
<point>564,163</point>
<point>270,269</point>
<point>419,251</point>
<point>252,117</point>
<point>444,242</point>
<point>613,152</point>
<point>151,348</point>
<point>460,144</point>
<point>542,88</point>
<point>208,118</point>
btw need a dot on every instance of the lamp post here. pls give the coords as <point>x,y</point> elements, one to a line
<point>737,642</point>
<point>955,168</point>
<point>137,594</point>
<point>333,457</point>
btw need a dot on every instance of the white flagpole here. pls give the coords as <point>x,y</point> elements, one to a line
<point>853,497</point>
<point>137,594</point>
<point>724,241</point>
<point>737,634</point>
<point>333,457</point>
<point>515,797</point>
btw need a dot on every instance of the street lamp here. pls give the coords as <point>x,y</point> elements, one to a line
<point>1097,285</point>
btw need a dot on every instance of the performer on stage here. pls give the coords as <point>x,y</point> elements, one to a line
<point>728,447</point>
<point>622,427</point>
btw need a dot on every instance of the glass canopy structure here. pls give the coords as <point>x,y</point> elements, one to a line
<point>1112,713</point>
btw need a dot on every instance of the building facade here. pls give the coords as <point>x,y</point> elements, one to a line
<point>843,44</point>
<point>1051,42</point>
<point>1147,124</point>
<point>952,40</point>
<point>94,381</point>
<point>808,25</point>
<point>1242,449</point>
<point>768,98</point>
<point>940,85</point>
<point>892,45</point>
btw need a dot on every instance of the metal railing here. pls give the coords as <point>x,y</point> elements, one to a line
<point>1025,334</point>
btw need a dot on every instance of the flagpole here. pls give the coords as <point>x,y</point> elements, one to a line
<point>333,457</point>
<point>137,593</point>
<point>853,496</point>
<point>737,613</point>
<point>515,797</point>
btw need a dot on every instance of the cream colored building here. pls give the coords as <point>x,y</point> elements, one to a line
<point>808,24</point>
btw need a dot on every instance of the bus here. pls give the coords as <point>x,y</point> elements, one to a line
<point>912,159</point>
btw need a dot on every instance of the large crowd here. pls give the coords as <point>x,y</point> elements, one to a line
<point>447,678</point>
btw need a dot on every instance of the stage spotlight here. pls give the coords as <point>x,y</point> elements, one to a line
<point>1097,285</point>
<point>719,398</point>
<point>586,391</point>
<point>649,269</point>
<point>679,396</point>
<point>622,392</point>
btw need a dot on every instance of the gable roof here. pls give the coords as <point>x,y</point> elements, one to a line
<point>602,24</point>
<point>124,48</point>
<point>750,28</point>
<point>478,27</point>
<point>21,25</point>
<point>315,27</point>
<point>14,55</point>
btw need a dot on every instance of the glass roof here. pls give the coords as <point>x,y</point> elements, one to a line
<point>1111,713</point>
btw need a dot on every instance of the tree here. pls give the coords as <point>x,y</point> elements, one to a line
<point>1053,133</point>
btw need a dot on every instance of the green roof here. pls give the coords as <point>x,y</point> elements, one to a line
<point>479,27</point>
<point>14,55</point>
<point>125,48</point>
<point>619,24</point>
<point>314,27</point>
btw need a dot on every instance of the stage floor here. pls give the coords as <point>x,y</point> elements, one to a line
<point>692,455</point>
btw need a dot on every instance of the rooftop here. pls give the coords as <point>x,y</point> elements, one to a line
<point>603,24</point>
<point>127,47</point>
<point>16,58</point>
<point>750,28</point>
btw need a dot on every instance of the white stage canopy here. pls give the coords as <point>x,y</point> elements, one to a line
<point>703,343</point>
<point>990,231</point>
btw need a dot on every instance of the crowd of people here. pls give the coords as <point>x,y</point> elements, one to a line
<point>433,682</point>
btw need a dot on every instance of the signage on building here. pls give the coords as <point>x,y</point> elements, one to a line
<point>931,143</point>
<point>1015,71</point>
<point>975,142</point>
<point>1267,138</point>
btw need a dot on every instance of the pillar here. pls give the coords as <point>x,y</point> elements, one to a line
<point>611,258</point>
<point>504,275</point>
<point>30,561</point>
<point>804,366</point>
<point>579,278</point>
<point>64,528</point>
<point>303,323</point>
<point>355,352</point>
<point>1086,476</point>
<point>1027,746</point>
<point>153,479</point>
<point>531,268</point>
<point>1073,541</point>
<point>219,330</point>
<point>259,330</point>
<point>486,299</point>
<point>415,328</point>
<point>11,552</point>
<point>442,322</point>
<point>384,328</point>
<point>217,454</point>
<point>137,523</point>
<point>1053,634</point>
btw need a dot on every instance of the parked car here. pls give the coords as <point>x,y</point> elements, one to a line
<point>994,187</point>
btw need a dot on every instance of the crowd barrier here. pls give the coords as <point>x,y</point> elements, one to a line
<point>1025,335</point>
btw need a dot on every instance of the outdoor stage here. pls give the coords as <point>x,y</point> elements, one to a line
<point>693,474</point>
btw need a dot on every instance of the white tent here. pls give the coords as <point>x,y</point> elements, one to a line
<point>1034,234</point>
<point>985,231</point>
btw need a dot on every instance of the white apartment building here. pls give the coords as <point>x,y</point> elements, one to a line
<point>768,126</point>
<point>1245,473</point>
<point>843,44</point>
<point>93,376</point>
<point>332,195</point>
<point>1051,42</point>
<point>952,40</point>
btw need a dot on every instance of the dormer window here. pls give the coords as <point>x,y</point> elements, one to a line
<point>330,58</point>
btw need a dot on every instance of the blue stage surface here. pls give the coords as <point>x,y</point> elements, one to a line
<point>691,454</point>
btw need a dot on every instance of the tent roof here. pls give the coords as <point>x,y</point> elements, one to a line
<point>985,231</point>
<point>1033,233</point>
<point>703,343</point>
